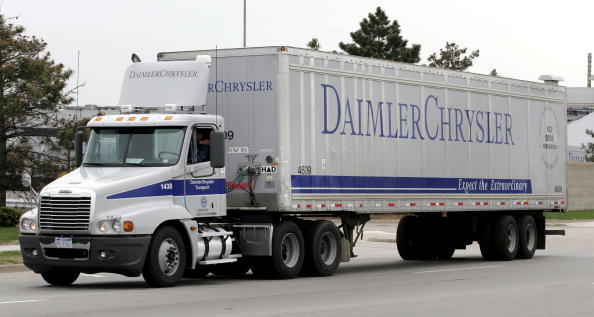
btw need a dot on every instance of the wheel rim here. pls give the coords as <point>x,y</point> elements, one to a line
<point>511,238</point>
<point>290,250</point>
<point>328,247</point>
<point>168,257</point>
<point>530,237</point>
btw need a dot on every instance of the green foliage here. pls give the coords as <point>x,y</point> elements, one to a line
<point>11,257</point>
<point>9,235</point>
<point>314,44</point>
<point>31,90</point>
<point>571,215</point>
<point>380,38</point>
<point>589,148</point>
<point>9,217</point>
<point>452,57</point>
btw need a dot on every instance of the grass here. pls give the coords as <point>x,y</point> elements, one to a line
<point>571,215</point>
<point>9,235</point>
<point>10,257</point>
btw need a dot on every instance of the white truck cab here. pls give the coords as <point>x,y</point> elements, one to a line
<point>152,167</point>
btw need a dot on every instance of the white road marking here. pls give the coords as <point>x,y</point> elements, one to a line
<point>461,269</point>
<point>93,275</point>
<point>21,301</point>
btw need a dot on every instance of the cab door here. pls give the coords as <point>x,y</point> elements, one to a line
<point>204,185</point>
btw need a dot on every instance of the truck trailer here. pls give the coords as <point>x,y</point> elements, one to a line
<point>274,158</point>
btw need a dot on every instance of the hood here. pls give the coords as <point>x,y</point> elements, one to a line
<point>108,180</point>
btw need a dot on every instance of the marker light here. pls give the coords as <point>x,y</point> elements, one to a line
<point>120,119</point>
<point>98,118</point>
<point>169,118</point>
<point>131,118</point>
<point>103,227</point>
<point>144,118</point>
<point>128,226</point>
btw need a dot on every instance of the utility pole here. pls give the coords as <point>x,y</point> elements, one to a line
<point>244,24</point>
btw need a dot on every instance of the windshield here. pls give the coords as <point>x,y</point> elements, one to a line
<point>134,146</point>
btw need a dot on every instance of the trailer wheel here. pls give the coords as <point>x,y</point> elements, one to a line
<point>505,238</point>
<point>60,277</point>
<point>528,237</point>
<point>322,249</point>
<point>446,251</point>
<point>200,271</point>
<point>486,241</point>
<point>166,258</point>
<point>234,269</point>
<point>405,238</point>
<point>287,253</point>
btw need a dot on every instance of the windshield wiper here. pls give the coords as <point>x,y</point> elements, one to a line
<point>94,164</point>
<point>136,164</point>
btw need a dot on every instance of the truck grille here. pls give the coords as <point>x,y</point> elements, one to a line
<point>65,213</point>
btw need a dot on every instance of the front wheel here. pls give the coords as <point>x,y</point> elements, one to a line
<point>60,277</point>
<point>166,259</point>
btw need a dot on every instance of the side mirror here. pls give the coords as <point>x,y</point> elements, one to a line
<point>26,180</point>
<point>78,147</point>
<point>217,149</point>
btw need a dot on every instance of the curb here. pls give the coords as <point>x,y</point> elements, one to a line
<point>9,268</point>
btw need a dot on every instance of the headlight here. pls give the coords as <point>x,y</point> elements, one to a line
<point>102,226</point>
<point>28,225</point>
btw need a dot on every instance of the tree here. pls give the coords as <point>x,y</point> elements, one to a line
<point>452,57</point>
<point>31,90</point>
<point>380,38</point>
<point>314,44</point>
<point>589,148</point>
<point>494,72</point>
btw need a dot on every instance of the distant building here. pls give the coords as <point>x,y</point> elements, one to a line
<point>580,102</point>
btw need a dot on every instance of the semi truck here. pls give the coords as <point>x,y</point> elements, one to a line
<point>274,158</point>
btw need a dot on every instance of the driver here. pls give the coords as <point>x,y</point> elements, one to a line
<point>203,146</point>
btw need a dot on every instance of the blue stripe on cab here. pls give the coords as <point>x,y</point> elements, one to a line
<point>209,186</point>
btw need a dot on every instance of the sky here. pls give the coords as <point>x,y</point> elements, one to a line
<point>522,39</point>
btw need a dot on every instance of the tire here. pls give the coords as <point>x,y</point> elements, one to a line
<point>528,237</point>
<point>405,238</point>
<point>322,249</point>
<point>505,238</point>
<point>446,251</point>
<point>60,277</point>
<point>200,271</point>
<point>234,269</point>
<point>287,253</point>
<point>166,258</point>
<point>486,241</point>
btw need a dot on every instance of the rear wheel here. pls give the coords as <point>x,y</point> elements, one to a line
<point>486,241</point>
<point>405,238</point>
<point>60,277</point>
<point>322,248</point>
<point>166,258</point>
<point>505,238</point>
<point>287,253</point>
<point>528,237</point>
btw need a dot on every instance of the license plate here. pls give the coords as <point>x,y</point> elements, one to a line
<point>64,243</point>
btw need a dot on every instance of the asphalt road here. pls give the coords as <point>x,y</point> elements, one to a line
<point>557,281</point>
